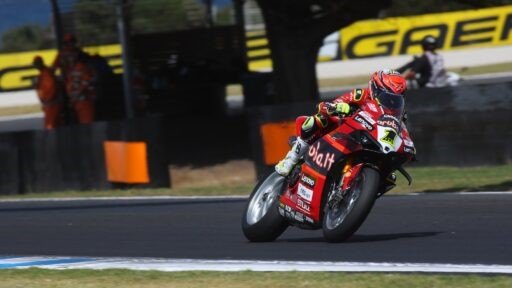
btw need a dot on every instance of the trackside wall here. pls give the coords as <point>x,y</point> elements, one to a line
<point>117,154</point>
<point>462,126</point>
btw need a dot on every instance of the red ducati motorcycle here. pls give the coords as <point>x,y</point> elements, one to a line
<point>337,182</point>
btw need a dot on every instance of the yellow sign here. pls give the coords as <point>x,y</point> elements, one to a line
<point>402,35</point>
<point>17,72</point>
<point>369,38</point>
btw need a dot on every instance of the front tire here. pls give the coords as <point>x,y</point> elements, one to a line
<point>261,221</point>
<point>341,221</point>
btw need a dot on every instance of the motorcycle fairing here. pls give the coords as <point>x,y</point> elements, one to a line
<point>305,196</point>
<point>329,150</point>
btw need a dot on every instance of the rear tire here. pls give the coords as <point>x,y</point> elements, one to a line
<point>339,223</point>
<point>261,221</point>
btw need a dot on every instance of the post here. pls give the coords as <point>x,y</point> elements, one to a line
<point>240,23</point>
<point>57,24</point>
<point>125,53</point>
<point>209,16</point>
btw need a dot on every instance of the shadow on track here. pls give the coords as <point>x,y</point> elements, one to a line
<point>357,238</point>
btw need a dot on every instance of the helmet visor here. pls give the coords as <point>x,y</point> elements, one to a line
<point>393,104</point>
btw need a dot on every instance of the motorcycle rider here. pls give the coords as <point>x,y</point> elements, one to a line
<point>385,86</point>
<point>428,70</point>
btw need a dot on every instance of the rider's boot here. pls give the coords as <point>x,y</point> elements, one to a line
<point>299,148</point>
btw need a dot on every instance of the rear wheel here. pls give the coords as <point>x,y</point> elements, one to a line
<point>343,217</point>
<point>261,221</point>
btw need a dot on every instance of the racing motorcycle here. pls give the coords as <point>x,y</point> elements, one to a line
<point>335,185</point>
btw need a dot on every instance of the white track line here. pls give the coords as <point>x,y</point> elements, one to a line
<point>174,265</point>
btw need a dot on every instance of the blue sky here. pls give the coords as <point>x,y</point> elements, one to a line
<point>15,13</point>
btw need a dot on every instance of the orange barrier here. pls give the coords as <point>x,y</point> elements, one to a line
<point>126,162</point>
<point>275,140</point>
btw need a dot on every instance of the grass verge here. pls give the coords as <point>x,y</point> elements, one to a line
<point>41,278</point>
<point>425,179</point>
<point>457,179</point>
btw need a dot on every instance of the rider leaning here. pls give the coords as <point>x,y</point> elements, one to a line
<point>385,86</point>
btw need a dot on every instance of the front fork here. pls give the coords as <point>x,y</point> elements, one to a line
<point>349,172</point>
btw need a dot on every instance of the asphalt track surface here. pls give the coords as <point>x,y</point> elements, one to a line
<point>427,228</point>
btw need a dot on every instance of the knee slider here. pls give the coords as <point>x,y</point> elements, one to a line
<point>309,127</point>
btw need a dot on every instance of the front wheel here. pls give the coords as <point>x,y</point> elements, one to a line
<point>261,221</point>
<point>344,217</point>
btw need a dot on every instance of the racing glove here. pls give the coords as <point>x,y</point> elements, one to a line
<point>342,108</point>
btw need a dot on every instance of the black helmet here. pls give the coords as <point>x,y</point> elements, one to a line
<point>429,43</point>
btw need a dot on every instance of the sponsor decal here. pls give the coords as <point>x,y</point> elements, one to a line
<point>408,142</point>
<point>410,150</point>
<point>305,193</point>
<point>303,205</point>
<point>388,121</point>
<point>299,217</point>
<point>364,123</point>
<point>367,117</point>
<point>322,160</point>
<point>403,35</point>
<point>372,107</point>
<point>389,137</point>
<point>296,215</point>
<point>17,71</point>
<point>308,180</point>
<point>290,214</point>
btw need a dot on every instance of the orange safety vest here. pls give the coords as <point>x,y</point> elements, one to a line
<point>46,86</point>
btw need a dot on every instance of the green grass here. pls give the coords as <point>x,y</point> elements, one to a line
<point>425,179</point>
<point>41,278</point>
<point>450,179</point>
